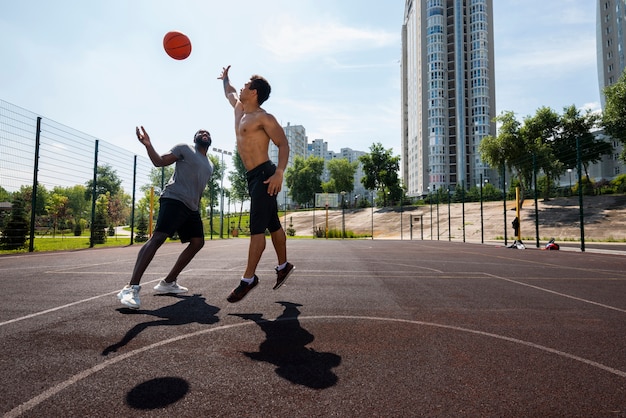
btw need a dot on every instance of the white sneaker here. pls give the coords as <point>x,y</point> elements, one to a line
<point>129,296</point>
<point>165,287</point>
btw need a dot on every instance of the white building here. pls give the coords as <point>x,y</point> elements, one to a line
<point>448,93</point>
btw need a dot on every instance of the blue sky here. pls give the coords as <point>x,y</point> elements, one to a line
<point>334,65</point>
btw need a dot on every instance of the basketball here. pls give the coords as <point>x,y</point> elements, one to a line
<point>177,45</point>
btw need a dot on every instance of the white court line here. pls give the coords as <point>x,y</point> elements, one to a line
<point>559,293</point>
<point>33,402</point>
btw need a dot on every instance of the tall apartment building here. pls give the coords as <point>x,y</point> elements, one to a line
<point>610,42</point>
<point>448,93</point>
<point>296,135</point>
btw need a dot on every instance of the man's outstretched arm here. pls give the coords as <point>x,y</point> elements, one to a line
<point>229,91</point>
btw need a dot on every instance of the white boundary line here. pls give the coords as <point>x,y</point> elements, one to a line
<point>50,392</point>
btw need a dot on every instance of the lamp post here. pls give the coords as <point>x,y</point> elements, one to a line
<point>482,228</point>
<point>343,214</point>
<point>372,194</point>
<point>437,194</point>
<point>449,223</point>
<point>430,200</point>
<point>569,170</point>
<point>220,151</point>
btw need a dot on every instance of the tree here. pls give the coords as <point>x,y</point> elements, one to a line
<point>159,176</point>
<point>59,210</point>
<point>5,196</point>
<point>341,176</point>
<point>614,116</point>
<point>98,228</point>
<point>211,193</point>
<point>304,179</point>
<point>239,183</point>
<point>381,173</point>
<point>77,205</point>
<point>577,127</point>
<point>539,134</point>
<point>106,181</point>
<point>14,234</point>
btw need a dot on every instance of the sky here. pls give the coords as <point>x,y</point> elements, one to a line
<point>334,65</point>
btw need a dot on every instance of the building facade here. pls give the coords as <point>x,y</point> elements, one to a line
<point>610,42</point>
<point>296,136</point>
<point>448,93</point>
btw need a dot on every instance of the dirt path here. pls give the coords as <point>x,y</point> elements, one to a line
<point>605,220</point>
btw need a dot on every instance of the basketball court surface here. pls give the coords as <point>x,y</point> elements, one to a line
<point>361,328</point>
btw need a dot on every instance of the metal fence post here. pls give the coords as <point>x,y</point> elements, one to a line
<point>33,200</point>
<point>93,194</point>
<point>132,208</point>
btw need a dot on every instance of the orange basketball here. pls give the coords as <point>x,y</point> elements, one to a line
<point>177,45</point>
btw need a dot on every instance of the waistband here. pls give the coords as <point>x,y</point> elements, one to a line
<point>260,168</point>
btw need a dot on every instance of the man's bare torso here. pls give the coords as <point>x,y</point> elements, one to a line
<point>252,139</point>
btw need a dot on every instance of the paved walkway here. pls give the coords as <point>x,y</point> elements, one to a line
<point>362,328</point>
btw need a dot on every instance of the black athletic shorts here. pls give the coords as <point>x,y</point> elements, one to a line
<point>174,217</point>
<point>263,207</point>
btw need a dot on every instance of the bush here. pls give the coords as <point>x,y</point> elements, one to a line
<point>14,234</point>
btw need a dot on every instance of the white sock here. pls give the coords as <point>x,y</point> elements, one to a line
<point>248,280</point>
<point>282,266</point>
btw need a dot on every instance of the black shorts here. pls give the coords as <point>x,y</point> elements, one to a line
<point>263,207</point>
<point>174,217</point>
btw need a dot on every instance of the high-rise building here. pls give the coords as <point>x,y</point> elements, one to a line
<point>296,136</point>
<point>448,93</point>
<point>610,42</point>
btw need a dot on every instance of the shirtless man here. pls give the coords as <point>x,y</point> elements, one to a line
<point>254,128</point>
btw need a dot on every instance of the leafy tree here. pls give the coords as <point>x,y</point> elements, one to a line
<point>77,206</point>
<point>98,228</point>
<point>304,179</point>
<point>341,176</point>
<point>239,183</point>
<point>579,126</point>
<point>14,234</point>
<point>107,180</point>
<point>142,228</point>
<point>614,115</point>
<point>59,210</point>
<point>118,210</point>
<point>381,173</point>
<point>5,196</point>
<point>538,135</point>
<point>158,176</point>
<point>211,194</point>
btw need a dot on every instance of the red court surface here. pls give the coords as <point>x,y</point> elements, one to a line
<point>362,328</point>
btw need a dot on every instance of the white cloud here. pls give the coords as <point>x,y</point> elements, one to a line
<point>291,40</point>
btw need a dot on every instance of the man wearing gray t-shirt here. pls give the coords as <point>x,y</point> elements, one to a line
<point>178,212</point>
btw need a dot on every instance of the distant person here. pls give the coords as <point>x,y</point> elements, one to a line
<point>254,128</point>
<point>515,225</point>
<point>178,212</point>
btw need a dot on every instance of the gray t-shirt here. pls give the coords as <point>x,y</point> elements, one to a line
<point>191,175</point>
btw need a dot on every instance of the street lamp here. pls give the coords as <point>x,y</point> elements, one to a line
<point>430,200</point>
<point>437,194</point>
<point>569,170</point>
<point>449,224</point>
<point>372,194</point>
<point>222,189</point>
<point>343,215</point>
<point>482,228</point>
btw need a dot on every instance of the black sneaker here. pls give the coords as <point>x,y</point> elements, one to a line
<point>282,275</point>
<point>242,290</point>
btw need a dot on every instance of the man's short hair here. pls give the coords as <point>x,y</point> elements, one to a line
<point>262,87</point>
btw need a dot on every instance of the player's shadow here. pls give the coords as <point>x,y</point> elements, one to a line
<point>190,309</point>
<point>285,347</point>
